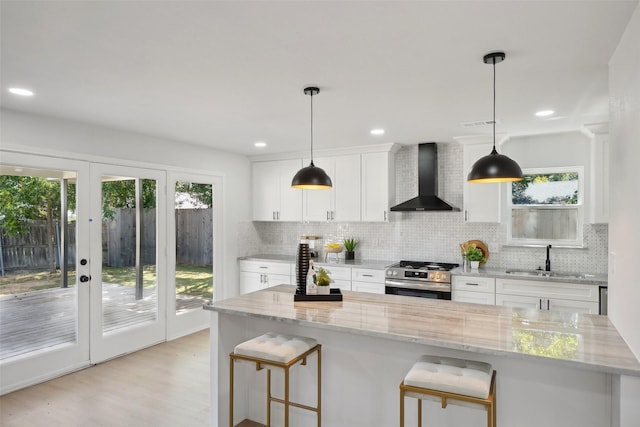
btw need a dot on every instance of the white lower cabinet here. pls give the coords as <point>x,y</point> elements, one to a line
<point>256,275</point>
<point>367,280</point>
<point>478,290</point>
<point>543,295</point>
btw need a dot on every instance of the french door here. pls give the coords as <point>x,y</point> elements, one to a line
<point>127,280</point>
<point>84,280</point>
<point>44,303</point>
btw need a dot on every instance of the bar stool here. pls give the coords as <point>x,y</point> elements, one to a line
<point>448,380</point>
<point>273,350</point>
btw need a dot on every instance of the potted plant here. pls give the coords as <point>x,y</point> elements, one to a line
<point>475,256</point>
<point>323,281</point>
<point>350,245</point>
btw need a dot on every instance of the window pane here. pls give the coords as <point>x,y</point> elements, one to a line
<point>545,224</point>
<point>546,189</point>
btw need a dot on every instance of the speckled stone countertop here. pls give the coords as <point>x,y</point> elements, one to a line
<point>358,263</point>
<point>588,279</point>
<point>566,339</point>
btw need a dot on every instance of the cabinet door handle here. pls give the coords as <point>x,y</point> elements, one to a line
<point>263,267</point>
<point>547,304</point>
<point>384,215</point>
<point>278,215</point>
<point>367,275</point>
<point>327,215</point>
<point>465,215</point>
<point>540,301</point>
<point>273,215</point>
<point>471,284</point>
<point>333,215</point>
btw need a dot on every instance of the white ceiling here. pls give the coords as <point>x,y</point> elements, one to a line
<point>227,74</point>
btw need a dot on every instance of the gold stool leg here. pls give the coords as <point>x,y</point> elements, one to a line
<point>319,387</point>
<point>419,412</point>
<point>401,407</point>
<point>286,397</point>
<point>231,391</point>
<point>268,397</point>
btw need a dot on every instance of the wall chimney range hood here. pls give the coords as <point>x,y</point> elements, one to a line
<point>427,199</point>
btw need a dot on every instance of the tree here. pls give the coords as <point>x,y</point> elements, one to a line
<point>27,198</point>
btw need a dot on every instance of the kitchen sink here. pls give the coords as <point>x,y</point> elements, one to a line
<point>542,273</point>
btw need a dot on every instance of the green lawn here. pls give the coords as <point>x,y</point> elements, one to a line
<point>190,280</point>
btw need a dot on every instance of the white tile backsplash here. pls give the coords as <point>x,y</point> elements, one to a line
<point>433,236</point>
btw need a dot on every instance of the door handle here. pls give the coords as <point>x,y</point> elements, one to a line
<point>85,278</point>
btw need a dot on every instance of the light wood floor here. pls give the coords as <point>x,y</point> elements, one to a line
<point>164,385</point>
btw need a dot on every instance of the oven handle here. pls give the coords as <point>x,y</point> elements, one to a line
<point>392,282</point>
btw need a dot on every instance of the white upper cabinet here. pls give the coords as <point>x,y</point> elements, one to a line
<point>599,179</point>
<point>340,203</point>
<point>481,201</point>
<point>273,197</point>
<point>378,185</point>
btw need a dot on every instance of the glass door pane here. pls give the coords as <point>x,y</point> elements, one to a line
<point>129,282</point>
<point>194,245</point>
<point>38,299</point>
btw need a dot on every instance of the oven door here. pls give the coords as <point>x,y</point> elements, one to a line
<point>433,291</point>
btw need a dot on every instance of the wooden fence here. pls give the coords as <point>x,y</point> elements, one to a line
<point>194,241</point>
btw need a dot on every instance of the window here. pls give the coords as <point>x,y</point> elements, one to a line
<point>547,207</point>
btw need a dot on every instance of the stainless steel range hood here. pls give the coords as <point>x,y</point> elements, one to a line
<point>427,199</point>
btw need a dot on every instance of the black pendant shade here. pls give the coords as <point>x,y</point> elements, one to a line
<point>311,177</point>
<point>494,167</point>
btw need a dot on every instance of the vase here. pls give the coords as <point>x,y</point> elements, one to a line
<point>475,265</point>
<point>324,290</point>
<point>302,268</point>
<point>349,255</point>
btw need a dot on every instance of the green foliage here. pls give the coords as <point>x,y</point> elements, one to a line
<point>350,244</point>
<point>475,254</point>
<point>24,198</point>
<point>122,194</point>
<point>201,192</point>
<point>322,278</point>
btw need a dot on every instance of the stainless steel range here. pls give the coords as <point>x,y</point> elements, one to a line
<point>419,279</point>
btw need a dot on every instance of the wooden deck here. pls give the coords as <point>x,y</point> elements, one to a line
<point>42,319</point>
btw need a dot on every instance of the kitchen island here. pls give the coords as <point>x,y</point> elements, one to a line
<point>554,369</point>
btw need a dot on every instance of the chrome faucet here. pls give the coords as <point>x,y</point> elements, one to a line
<point>547,262</point>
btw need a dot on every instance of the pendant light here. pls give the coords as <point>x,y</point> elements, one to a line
<point>494,167</point>
<point>311,177</point>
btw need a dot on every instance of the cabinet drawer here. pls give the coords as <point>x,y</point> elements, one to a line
<point>475,284</point>
<point>336,273</point>
<point>570,291</point>
<point>374,288</point>
<point>367,275</point>
<point>282,268</point>
<point>473,297</point>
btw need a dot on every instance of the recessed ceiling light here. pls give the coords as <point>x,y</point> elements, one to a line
<point>545,113</point>
<point>260,144</point>
<point>377,131</point>
<point>20,91</point>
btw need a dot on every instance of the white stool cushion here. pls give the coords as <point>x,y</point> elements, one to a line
<point>275,347</point>
<point>466,377</point>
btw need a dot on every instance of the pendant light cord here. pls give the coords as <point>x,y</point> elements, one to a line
<point>312,129</point>
<point>494,104</point>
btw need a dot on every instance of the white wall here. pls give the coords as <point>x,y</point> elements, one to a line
<point>624,227</point>
<point>40,134</point>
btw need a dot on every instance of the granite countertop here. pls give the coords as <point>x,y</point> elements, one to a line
<point>588,279</point>
<point>290,259</point>
<point>566,339</point>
